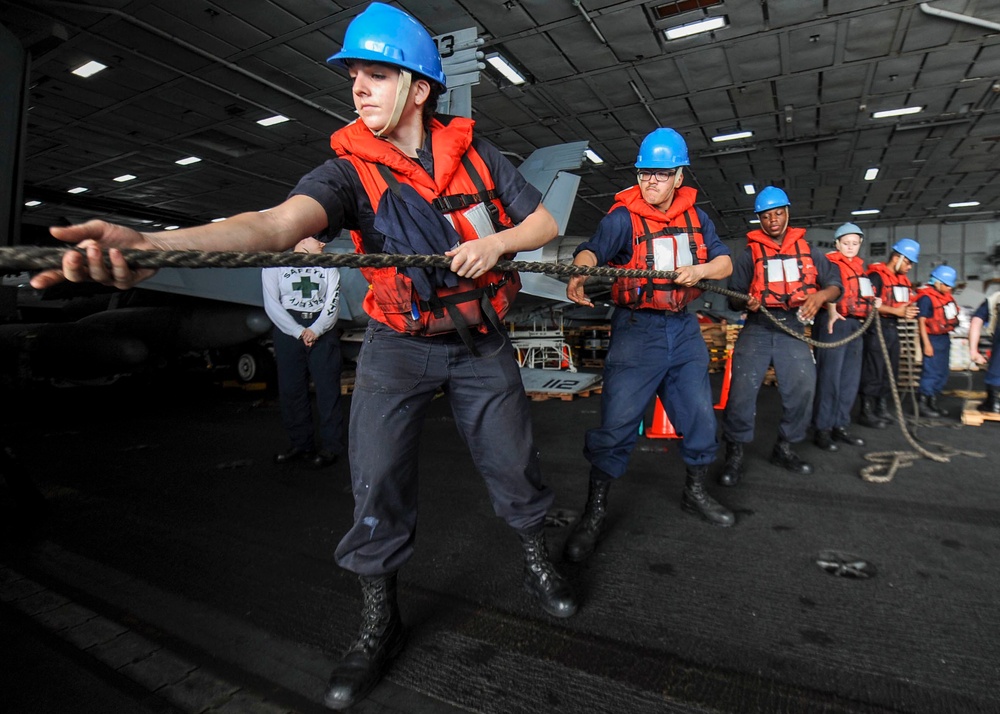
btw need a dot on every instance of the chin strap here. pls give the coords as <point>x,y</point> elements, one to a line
<point>402,92</point>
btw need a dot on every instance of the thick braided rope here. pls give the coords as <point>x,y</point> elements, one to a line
<point>22,258</point>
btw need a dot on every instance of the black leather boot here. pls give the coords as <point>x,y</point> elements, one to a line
<point>824,440</point>
<point>732,472</point>
<point>867,417</point>
<point>841,434</point>
<point>588,530</point>
<point>696,499</point>
<point>924,407</point>
<point>992,403</point>
<point>381,638</point>
<point>542,580</point>
<point>882,410</point>
<point>783,456</point>
<point>932,403</point>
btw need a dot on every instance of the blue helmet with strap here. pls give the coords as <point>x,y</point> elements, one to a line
<point>662,149</point>
<point>388,35</point>
<point>908,248</point>
<point>770,197</point>
<point>944,274</point>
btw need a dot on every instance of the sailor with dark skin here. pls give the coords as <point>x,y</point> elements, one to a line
<point>780,270</point>
<point>394,168</point>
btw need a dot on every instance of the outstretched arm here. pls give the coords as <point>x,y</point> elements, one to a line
<point>275,230</point>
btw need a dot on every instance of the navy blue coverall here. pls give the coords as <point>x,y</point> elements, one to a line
<point>762,344</point>
<point>651,352</point>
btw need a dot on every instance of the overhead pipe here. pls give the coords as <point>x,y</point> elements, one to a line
<point>958,17</point>
<point>578,4</point>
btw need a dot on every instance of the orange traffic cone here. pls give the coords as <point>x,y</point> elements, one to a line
<point>726,379</point>
<point>661,428</point>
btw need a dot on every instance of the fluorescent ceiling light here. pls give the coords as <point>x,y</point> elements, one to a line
<point>733,136</point>
<point>694,28</point>
<point>865,212</point>
<point>170,228</point>
<point>755,221</point>
<point>32,204</point>
<point>271,121</point>
<point>871,174</point>
<point>505,68</point>
<point>963,204</point>
<point>896,112</point>
<point>594,158</point>
<point>748,189</point>
<point>89,69</point>
<point>125,177</point>
<point>78,189</point>
<point>188,160</point>
<point>218,220</point>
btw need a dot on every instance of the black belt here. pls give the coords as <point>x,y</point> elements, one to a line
<point>303,318</point>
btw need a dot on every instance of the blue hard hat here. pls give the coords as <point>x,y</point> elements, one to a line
<point>770,197</point>
<point>847,229</point>
<point>944,274</point>
<point>662,149</point>
<point>907,247</point>
<point>388,35</point>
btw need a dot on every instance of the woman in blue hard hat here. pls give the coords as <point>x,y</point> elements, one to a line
<point>780,270</point>
<point>890,284</point>
<point>399,169</point>
<point>656,345</point>
<point>937,317</point>
<point>838,369</point>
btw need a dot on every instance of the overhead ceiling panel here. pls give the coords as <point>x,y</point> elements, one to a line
<point>707,68</point>
<point>662,78</point>
<point>812,47</point>
<point>628,33</point>
<point>782,13</point>
<point>870,35</point>
<point>756,59</point>
<point>578,43</point>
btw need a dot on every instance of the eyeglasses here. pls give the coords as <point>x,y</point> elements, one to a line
<point>658,175</point>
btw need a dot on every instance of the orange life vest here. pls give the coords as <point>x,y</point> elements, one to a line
<point>461,182</point>
<point>792,275</point>
<point>856,299</point>
<point>944,318</point>
<point>678,239</point>
<point>896,287</point>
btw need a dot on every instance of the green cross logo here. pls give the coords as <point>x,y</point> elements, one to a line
<point>306,287</point>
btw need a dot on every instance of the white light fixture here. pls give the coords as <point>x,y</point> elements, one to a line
<point>89,69</point>
<point>871,174</point>
<point>188,160</point>
<point>125,177</point>
<point>732,137</point>
<point>170,228</point>
<point>886,113</point>
<point>865,212</point>
<point>694,28</point>
<point>963,204</point>
<point>748,189</point>
<point>755,222</point>
<point>78,189</point>
<point>593,157</point>
<point>218,220</point>
<point>271,121</point>
<point>32,204</point>
<point>505,68</point>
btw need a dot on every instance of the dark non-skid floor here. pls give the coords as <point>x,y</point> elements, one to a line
<point>168,517</point>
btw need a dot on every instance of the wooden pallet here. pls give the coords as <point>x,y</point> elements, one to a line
<point>973,417</point>
<point>563,396</point>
